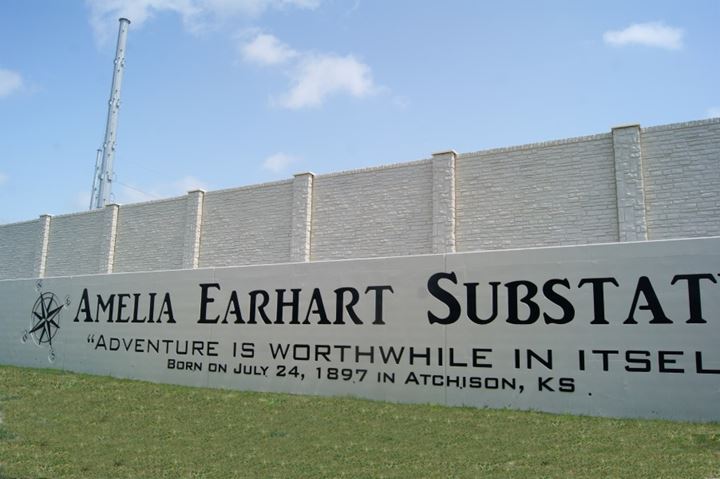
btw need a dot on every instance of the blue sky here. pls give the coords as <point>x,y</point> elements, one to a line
<point>224,93</point>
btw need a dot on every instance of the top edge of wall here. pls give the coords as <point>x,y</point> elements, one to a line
<point>369,169</point>
<point>251,187</point>
<point>685,124</point>
<point>78,213</point>
<point>152,202</point>
<point>541,144</point>
<point>18,223</point>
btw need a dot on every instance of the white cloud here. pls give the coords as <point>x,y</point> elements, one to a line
<point>713,112</point>
<point>104,13</point>
<point>652,34</point>
<point>267,50</point>
<point>3,178</point>
<point>314,77</point>
<point>318,77</point>
<point>279,162</point>
<point>194,13</point>
<point>10,82</point>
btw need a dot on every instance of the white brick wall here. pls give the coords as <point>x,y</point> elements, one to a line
<point>375,212</point>
<point>151,236</point>
<point>656,183</point>
<point>77,244</point>
<point>682,179</point>
<point>248,225</point>
<point>553,193</point>
<point>20,244</point>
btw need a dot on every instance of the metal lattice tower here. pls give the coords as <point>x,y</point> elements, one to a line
<point>102,180</point>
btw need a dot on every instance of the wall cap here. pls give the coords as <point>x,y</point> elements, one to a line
<point>626,125</point>
<point>452,153</point>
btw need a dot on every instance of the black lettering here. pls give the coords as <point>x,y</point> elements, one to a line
<point>106,307</point>
<point>294,304</point>
<point>166,309</point>
<point>664,359</point>
<point>514,300</point>
<point>340,306</point>
<point>543,384</point>
<point>472,303</point>
<point>379,301</point>
<point>121,305</point>
<point>259,308</point>
<point>555,297</point>
<point>699,365</point>
<point>640,358</point>
<point>84,307</point>
<point>567,385</point>
<point>598,296</point>
<point>205,299</point>
<point>645,288</point>
<point>317,302</point>
<point>136,305</point>
<point>694,302</point>
<point>233,308</point>
<point>477,357</point>
<point>151,309</point>
<point>445,297</point>
<point>605,353</point>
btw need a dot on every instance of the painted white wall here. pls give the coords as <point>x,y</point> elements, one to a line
<point>662,363</point>
<point>555,193</point>
<point>383,211</point>
<point>681,167</point>
<point>248,225</point>
<point>150,236</point>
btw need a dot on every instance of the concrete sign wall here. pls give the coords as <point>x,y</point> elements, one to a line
<point>614,330</point>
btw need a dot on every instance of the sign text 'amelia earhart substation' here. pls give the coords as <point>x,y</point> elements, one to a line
<point>299,307</point>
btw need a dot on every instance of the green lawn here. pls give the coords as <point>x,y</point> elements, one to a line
<point>57,425</point>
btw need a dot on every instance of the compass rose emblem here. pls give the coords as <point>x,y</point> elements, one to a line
<point>45,320</point>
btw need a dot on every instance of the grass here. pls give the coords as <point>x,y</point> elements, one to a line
<point>63,425</point>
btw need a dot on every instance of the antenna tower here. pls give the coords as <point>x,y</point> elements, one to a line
<point>102,180</point>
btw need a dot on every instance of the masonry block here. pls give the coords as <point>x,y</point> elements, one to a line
<point>301,217</point>
<point>42,249</point>
<point>193,225</point>
<point>630,190</point>
<point>443,201</point>
<point>107,241</point>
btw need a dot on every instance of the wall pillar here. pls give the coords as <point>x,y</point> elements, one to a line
<point>107,248</point>
<point>301,217</point>
<point>627,149</point>
<point>41,253</point>
<point>443,201</point>
<point>193,229</point>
